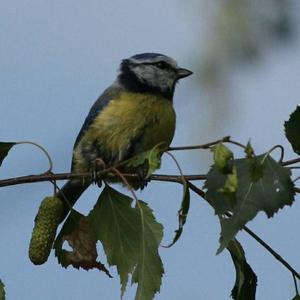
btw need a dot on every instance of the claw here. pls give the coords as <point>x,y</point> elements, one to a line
<point>99,165</point>
<point>143,179</point>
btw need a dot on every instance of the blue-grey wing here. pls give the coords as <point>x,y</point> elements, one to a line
<point>109,94</point>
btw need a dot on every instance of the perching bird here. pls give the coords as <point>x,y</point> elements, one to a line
<point>133,115</point>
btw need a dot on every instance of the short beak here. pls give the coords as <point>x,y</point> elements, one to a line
<point>181,73</point>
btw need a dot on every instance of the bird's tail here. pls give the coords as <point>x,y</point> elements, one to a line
<point>70,193</point>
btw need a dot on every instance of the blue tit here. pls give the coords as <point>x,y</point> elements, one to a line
<point>133,115</point>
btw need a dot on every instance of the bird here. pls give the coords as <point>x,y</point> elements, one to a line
<point>131,116</point>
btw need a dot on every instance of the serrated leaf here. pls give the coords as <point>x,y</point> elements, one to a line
<point>271,192</point>
<point>149,270</point>
<point>80,236</point>
<point>246,280</point>
<point>2,291</point>
<point>222,156</point>
<point>182,213</point>
<point>152,158</point>
<point>4,149</point>
<point>292,130</point>
<point>116,225</point>
<point>130,238</point>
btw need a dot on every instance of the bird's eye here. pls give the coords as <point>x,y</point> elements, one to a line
<point>163,65</point>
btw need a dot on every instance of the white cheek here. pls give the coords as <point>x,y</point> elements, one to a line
<point>144,74</point>
<point>156,78</point>
<point>166,81</point>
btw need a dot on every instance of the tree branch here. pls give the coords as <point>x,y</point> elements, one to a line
<point>65,176</point>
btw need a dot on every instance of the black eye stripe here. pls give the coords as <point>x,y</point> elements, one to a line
<point>163,65</point>
<point>160,64</point>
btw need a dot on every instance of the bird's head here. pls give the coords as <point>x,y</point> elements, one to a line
<point>151,72</point>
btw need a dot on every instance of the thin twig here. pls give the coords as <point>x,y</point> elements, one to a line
<point>273,252</point>
<point>296,286</point>
<point>230,141</point>
<point>253,235</point>
<point>297,190</point>
<point>65,176</point>
<point>198,191</point>
<point>203,146</point>
<point>175,178</point>
<point>41,178</point>
<point>297,178</point>
<point>291,161</point>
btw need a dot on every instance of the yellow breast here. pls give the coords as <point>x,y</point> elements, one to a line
<point>131,121</point>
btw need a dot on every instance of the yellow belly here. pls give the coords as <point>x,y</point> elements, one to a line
<point>133,121</point>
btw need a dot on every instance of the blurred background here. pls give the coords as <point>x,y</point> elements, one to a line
<point>57,57</point>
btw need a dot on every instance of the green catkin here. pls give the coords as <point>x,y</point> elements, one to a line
<point>44,231</point>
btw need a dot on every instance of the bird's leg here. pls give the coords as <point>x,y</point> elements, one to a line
<point>142,174</point>
<point>99,165</point>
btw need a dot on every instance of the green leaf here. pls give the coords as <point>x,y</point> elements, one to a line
<point>297,297</point>
<point>246,280</point>
<point>79,234</point>
<point>292,130</point>
<point>2,291</point>
<point>152,158</point>
<point>4,149</point>
<point>130,238</point>
<point>273,190</point>
<point>182,213</point>
<point>149,270</point>
<point>116,225</point>
<point>222,156</point>
<point>256,169</point>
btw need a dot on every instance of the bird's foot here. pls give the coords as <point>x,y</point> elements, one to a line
<point>142,176</point>
<point>99,165</point>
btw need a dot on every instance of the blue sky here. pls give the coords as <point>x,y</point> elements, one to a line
<point>55,59</point>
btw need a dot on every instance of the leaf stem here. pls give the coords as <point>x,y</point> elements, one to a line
<point>43,150</point>
<point>281,152</point>
<point>125,181</point>
<point>177,164</point>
